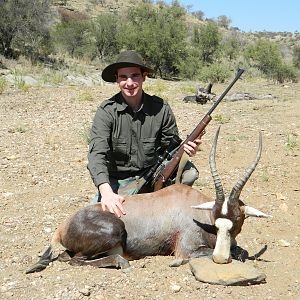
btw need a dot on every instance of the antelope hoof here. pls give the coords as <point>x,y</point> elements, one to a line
<point>178,262</point>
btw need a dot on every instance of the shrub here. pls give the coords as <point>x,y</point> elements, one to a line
<point>158,33</point>
<point>207,39</point>
<point>24,25</point>
<point>284,73</point>
<point>296,57</point>
<point>264,55</point>
<point>73,37</point>
<point>214,73</point>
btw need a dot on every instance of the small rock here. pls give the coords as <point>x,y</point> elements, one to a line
<point>284,207</point>
<point>85,292</point>
<point>175,288</point>
<point>7,194</point>
<point>283,243</point>
<point>47,229</point>
<point>234,273</point>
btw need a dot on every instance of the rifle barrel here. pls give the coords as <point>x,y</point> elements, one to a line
<point>238,75</point>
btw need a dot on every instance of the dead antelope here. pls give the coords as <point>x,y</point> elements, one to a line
<point>164,222</point>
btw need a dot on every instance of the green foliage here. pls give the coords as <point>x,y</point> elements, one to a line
<point>207,40</point>
<point>284,72</point>
<point>158,33</point>
<point>24,25</point>
<point>73,37</point>
<point>104,32</point>
<point>221,119</point>
<point>224,21</point>
<point>86,97</point>
<point>199,14</point>
<point>264,55</point>
<point>292,142</point>
<point>3,85</point>
<point>231,47</point>
<point>296,57</point>
<point>214,73</point>
<point>190,66</point>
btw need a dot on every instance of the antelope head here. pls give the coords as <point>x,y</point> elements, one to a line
<point>229,212</point>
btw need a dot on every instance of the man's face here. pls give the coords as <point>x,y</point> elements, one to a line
<point>130,81</point>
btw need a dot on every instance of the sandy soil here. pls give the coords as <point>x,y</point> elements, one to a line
<point>43,146</point>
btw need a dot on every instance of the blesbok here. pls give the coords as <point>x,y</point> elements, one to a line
<point>177,220</point>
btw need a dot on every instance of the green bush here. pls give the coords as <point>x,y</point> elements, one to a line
<point>158,33</point>
<point>296,57</point>
<point>190,67</point>
<point>104,32</point>
<point>207,40</point>
<point>264,55</point>
<point>284,73</point>
<point>74,38</point>
<point>24,25</point>
<point>214,73</point>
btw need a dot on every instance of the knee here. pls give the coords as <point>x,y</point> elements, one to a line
<point>189,176</point>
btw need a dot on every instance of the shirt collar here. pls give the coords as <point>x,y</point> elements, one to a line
<point>122,105</point>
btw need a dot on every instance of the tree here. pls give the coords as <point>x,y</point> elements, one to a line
<point>296,57</point>
<point>158,33</point>
<point>231,46</point>
<point>72,37</point>
<point>264,55</point>
<point>104,30</point>
<point>224,21</point>
<point>207,39</point>
<point>24,26</point>
<point>199,14</point>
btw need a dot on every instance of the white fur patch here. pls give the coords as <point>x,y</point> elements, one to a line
<point>225,207</point>
<point>221,254</point>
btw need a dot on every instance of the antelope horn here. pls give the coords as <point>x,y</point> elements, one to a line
<point>212,163</point>
<point>237,189</point>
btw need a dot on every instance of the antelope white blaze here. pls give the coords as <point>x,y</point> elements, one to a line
<point>225,207</point>
<point>221,254</point>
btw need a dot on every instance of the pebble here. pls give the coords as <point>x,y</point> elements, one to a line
<point>283,243</point>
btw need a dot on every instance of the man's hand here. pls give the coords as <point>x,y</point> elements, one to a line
<point>192,147</point>
<point>111,201</point>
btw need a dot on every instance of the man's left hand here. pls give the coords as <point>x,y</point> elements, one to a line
<point>192,147</point>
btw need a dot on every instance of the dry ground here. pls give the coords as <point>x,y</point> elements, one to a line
<point>43,149</point>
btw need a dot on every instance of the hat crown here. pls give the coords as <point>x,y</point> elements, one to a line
<point>130,56</point>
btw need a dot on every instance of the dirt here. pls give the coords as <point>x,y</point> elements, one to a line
<point>43,145</point>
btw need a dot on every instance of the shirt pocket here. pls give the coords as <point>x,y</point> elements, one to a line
<point>120,151</point>
<point>149,147</point>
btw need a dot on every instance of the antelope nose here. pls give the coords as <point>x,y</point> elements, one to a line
<point>221,259</point>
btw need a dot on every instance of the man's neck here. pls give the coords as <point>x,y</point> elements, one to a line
<point>134,102</point>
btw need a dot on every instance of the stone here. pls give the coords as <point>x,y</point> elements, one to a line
<point>234,273</point>
<point>283,243</point>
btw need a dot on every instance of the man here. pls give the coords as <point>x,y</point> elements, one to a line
<point>129,131</point>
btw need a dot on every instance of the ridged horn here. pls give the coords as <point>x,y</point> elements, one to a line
<point>237,189</point>
<point>220,197</point>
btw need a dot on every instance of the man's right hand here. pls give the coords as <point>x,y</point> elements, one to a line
<point>111,201</point>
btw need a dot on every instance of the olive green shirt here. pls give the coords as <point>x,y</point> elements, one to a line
<point>125,143</point>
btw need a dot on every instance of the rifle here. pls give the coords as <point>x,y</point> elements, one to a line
<point>161,172</point>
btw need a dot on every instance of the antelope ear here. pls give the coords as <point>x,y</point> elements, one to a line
<point>253,212</point>
<point>205,206</point>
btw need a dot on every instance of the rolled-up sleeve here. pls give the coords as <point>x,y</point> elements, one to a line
<point>99,146</point>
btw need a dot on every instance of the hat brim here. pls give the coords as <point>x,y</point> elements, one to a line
<point>109,73</point>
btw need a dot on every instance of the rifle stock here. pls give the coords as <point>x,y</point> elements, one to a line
<point>197,132</point>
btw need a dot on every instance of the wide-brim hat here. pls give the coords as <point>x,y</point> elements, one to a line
<point>125,59</point>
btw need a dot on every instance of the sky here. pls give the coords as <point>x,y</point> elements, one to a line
<point>252,15</point>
